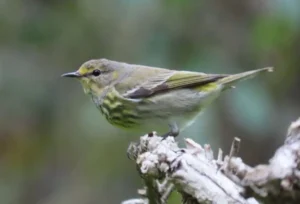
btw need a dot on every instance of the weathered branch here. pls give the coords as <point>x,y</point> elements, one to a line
<point>194,172</point>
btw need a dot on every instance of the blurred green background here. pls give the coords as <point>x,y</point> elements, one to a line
<point>55,148</point>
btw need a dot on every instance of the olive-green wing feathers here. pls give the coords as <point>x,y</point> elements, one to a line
<point>173,80</point>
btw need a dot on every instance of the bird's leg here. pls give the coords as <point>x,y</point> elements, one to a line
<point>174,130</point>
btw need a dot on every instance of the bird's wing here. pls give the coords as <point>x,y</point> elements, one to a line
<point>173,80</point>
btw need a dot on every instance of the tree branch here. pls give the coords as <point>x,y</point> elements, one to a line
<point>199,178</point>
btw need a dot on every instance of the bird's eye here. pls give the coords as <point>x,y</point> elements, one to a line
<point>96,72</point>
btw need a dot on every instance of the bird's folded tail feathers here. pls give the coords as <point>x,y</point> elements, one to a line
<point>230,80</point>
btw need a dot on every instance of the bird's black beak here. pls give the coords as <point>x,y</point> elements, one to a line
<point>72,75</point>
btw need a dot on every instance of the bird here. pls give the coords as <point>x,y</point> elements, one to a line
<point>145,99</point>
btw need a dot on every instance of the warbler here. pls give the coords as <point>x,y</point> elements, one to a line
<point>144,98</point>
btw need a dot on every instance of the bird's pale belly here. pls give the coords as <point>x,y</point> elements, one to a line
<point>161,125</point>
<point>154,114</point>
<point>151,123</point>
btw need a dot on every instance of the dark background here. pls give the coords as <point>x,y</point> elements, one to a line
<point>55,148</point>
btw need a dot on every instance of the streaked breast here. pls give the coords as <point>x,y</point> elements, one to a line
<point>118,112</point>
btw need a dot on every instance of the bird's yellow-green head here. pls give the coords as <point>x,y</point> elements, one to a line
<point>95,75</point>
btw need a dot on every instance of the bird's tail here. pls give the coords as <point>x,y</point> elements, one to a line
<point>230,80</point>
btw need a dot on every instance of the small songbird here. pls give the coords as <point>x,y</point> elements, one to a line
<point>146,99</point>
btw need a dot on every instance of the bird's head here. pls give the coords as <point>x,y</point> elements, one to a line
<point>95,75</point>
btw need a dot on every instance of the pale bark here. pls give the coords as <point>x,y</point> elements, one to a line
<point>193,172</point>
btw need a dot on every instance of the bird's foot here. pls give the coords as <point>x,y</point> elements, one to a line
<point>174,131</point>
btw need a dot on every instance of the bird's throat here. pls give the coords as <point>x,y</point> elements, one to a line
<point>91,88</point>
